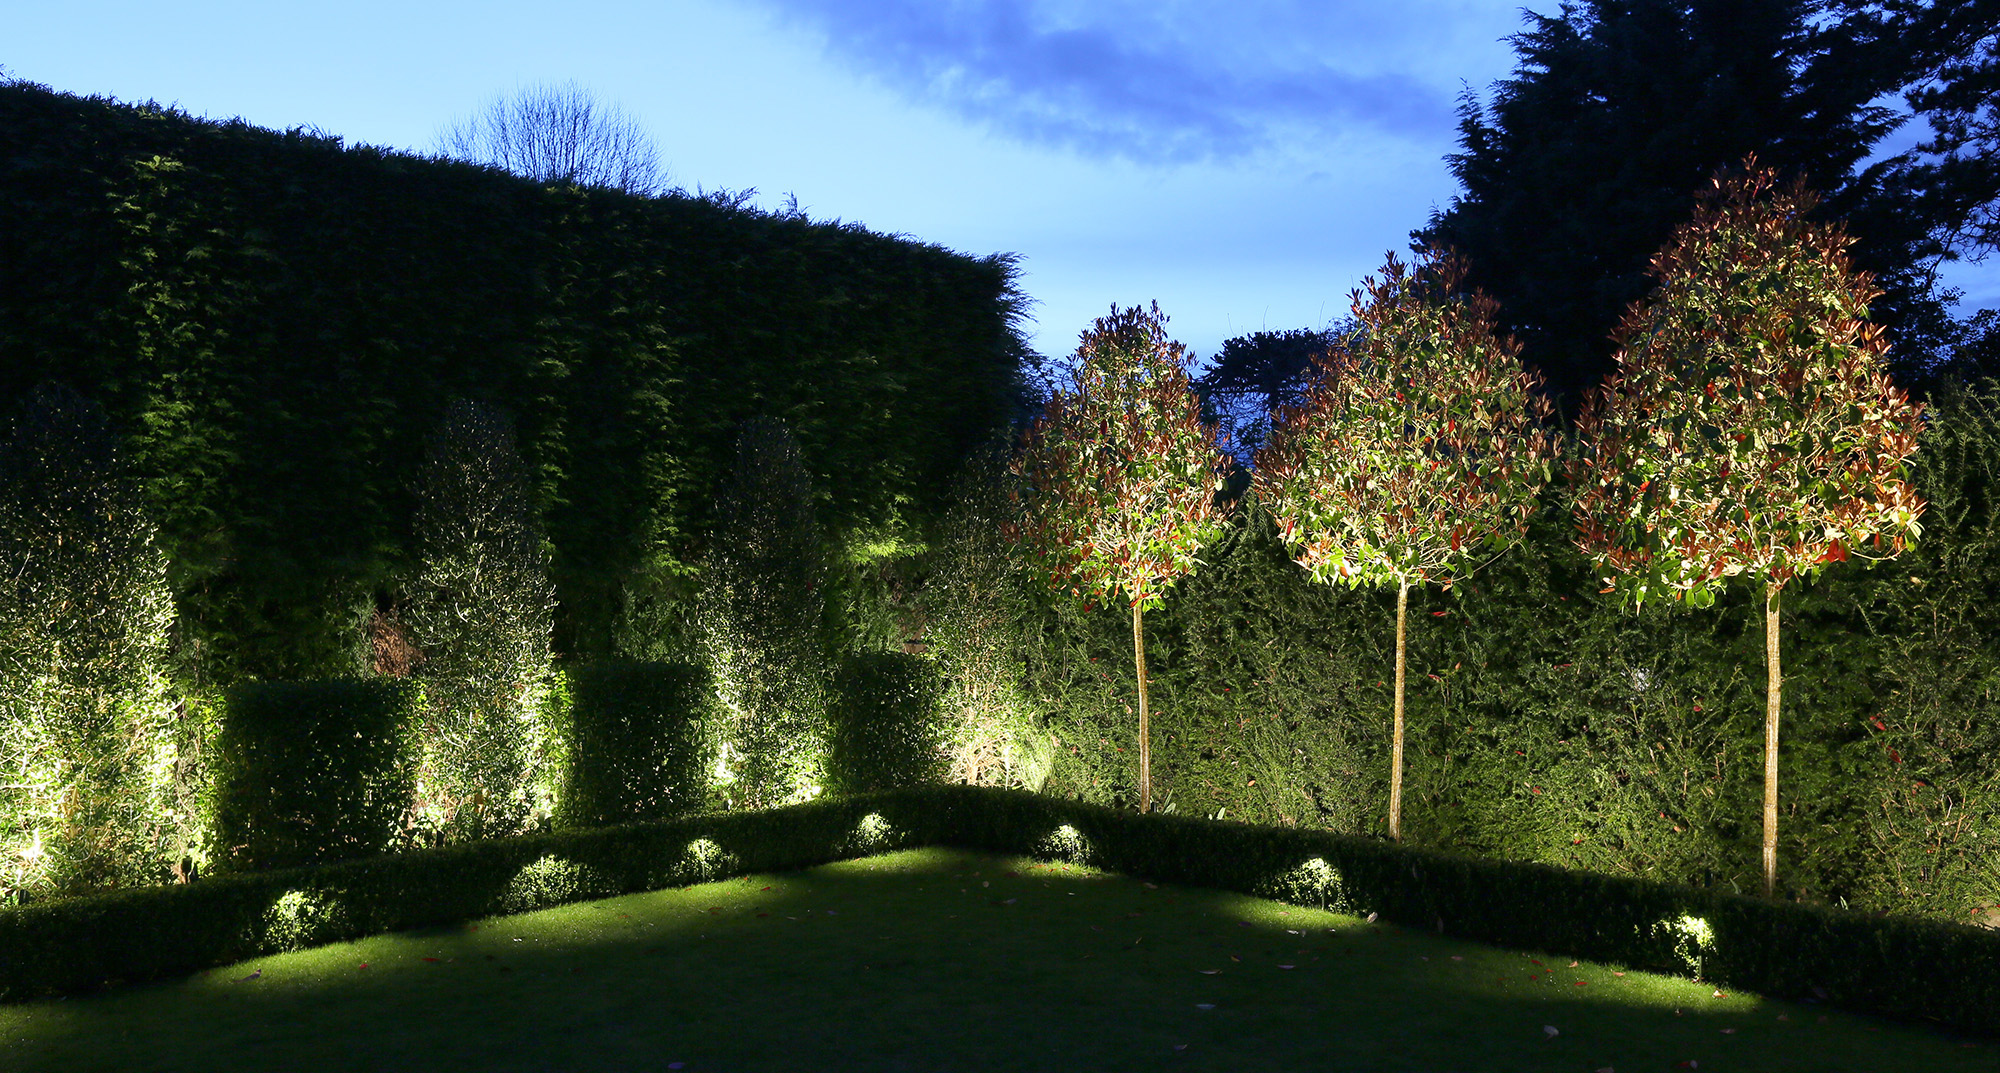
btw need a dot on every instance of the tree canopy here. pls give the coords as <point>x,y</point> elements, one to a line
<point>1583,161</point>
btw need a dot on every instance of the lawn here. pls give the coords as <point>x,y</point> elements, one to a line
<point>940,959</point>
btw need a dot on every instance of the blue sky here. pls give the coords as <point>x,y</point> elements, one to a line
<point>1243,163</point>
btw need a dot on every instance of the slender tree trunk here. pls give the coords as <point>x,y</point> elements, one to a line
<point>1773,691</point>
<point>1145,745</point>
<point>1396,736</point>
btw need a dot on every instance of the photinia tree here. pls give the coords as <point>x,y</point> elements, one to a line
<point>1119,477</point>
<point>1417,453</point>
<point>1750,427</point>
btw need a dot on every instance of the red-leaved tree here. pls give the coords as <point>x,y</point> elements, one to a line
<point>1417,453</point>
<point>1750,428</point>
<point>1120,474</point>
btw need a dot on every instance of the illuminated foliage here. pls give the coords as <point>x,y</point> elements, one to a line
<point>1413,457</point>
<point>762,621</point>
<point>481,613</point>
<point>1120,475</point>
<point>85,721</point>
<point>1751,428</point>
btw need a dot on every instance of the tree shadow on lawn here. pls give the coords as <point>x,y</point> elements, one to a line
<point>940,959</point>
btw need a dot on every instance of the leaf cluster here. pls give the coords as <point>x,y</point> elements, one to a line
<point>1121,469</point>
<point>1417,448</point>
<point>1752,427</point>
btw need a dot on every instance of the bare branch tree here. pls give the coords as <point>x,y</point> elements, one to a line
<point>559,133</point>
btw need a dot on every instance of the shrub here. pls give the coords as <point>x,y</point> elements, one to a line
<point>481,613</point>
<point>86,726</point>
<point>885,721</point>
<point>313,771</point>
<point>763,617</point>
<point>640,742</point>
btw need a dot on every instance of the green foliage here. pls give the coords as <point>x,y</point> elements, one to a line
<point>1752,429</point>
<point>270,320</point>
<point>308,772</point>
<point>479,613</point>
<point>981,608</point>
<point>87,749</point>
<point>1119,474</point>
<point>80,943</point>
<point>1417,452</point>
<point>1579,165</point>
<point>640,742</point>
<point>885,723</point>
<point>1119,479</point>
<point>765,621</point>
<point>1898,967</point>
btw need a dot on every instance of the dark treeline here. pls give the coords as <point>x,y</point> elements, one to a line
<point>275,323</point>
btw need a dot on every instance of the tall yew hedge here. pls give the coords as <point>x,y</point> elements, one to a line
<point>274,321</point>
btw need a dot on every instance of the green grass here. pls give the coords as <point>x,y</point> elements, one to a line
<point>940,959</point>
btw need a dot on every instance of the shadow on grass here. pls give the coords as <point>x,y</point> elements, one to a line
<point>940,959</point>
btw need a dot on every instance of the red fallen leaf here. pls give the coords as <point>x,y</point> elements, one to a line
<point>763,914</point>
<point>364,964</point>
<point>1580,983</point>
<point>1719,993</point>
<point>761,891</point>
<point>430,959</point>
<point>1532,961</point>
<point>1689,1064</point>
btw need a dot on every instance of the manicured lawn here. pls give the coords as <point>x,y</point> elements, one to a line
<point>942,960</point>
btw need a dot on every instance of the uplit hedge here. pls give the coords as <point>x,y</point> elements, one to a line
<point>311,772</point>
<point>1918,970</point>
<point>639,738</point>
<point>885,724</point>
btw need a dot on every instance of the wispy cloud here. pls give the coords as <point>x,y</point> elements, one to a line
<point>1160,82</point>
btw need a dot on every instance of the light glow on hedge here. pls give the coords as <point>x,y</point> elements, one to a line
<point>1693,939</point>
<point>1067,843</point>
<point>873,832</point>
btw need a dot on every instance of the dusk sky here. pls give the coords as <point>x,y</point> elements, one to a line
<point>1243,163</point>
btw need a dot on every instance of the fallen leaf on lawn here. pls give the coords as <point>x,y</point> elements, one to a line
<point>252,976</point>
<point>1689,1064</point>
<point>1233,957</point>
<point>364,964</point>
<point>1719,993</point>
<point>761,891</point>
<point>1293,931</point>
<point>1580,983</point>
<point>1728,1031</point>
<point>1204,1005</point>
<point>430,959</point>
<point>1010,901</point>
<point>1617,973</point>
<point>1180,1046</point>
<point>1605,1069</point>
<point>1371,918</point>
<point>1151,886</point>
<point>1455,957</point>
<point>1784,1017</point>
<point>1210,972</point>
<point>1572,964</point>
<point>1550,1031</point>
<point>767,914</point>
<point>1287,966</point>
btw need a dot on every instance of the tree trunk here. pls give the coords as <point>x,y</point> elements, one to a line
<point>1145,745</point>
<point>1773,691</point>
<point>1396,736</point>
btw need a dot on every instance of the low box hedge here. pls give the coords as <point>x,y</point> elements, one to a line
<point>1907,968</point>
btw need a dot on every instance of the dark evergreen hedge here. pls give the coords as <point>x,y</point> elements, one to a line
<point>309,772</point>
<point>885,723</point>
<point>275,320</point>
<point>1919,970</point>
<point>639,739</point>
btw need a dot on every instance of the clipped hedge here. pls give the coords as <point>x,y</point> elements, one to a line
<point>640,738</point>
<point>63,946</point>
<point>1920,970</point>
<point>309,772</point>
<point>886,726</point>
